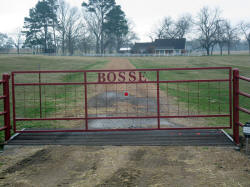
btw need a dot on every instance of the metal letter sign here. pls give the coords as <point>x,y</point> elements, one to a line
<point>121,76</point>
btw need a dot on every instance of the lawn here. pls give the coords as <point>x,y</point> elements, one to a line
<point>22,63</point>
<point>237,61</point>
<point>59,93</point>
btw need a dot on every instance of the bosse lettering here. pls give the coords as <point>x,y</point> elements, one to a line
<point>122,76</point>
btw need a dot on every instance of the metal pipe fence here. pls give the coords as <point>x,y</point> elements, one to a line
<point>137,95</point>
<point>236,103</point>
<point>6,106</point>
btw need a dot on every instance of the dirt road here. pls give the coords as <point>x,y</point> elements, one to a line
<point>123,166</point>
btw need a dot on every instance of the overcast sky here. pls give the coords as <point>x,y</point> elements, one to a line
<point>144,13</point>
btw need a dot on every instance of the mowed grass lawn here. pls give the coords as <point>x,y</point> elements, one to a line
<point>9,63</point>
<point>236,61</point>
<point>18,63</point>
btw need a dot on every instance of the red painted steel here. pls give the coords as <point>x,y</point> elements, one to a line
<point>2,113</point>
<point>3,128</point>
<point>40,94</point>
<point>244,94</point>
<point>2,97</point>
<point>13,101</point>
<point>240,124</point>
<point>86,100</point>
<point>244,78</point>
<point>244,110</point>
<point>121,117</point>
<point>158,100</point>
<point>236,105</point>
<point>119,70</point>
<point>6,113</point>
<point>125,82</point>
<point>110,80</point>
<point>230,98</point>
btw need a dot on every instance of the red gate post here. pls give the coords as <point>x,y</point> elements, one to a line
<point>6,93</point>
<point>236,105</point>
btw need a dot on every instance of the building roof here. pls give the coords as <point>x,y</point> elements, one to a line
<point>162,44</point>
<point>144,45</point>
<point>170,43</point>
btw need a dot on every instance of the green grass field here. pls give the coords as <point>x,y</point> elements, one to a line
<point>238,61</point>
<point>22,63</point>
<point>18,63</point>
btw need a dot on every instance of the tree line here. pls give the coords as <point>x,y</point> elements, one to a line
<point>209,27</point>
<point>54,26</point>
<point>101,26</point>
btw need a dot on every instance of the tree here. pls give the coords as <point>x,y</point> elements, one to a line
<point>73,28</point>
<point>63,11</point>
<point>116,26</point>
<point>167,29</point>
<point>54,8</point>
<point>6,42</point>
<point>183,26</point>
<point>230,35</point>
<point>131,37</point>
<point>97,11</point>
<point>220,34</point>
<point>207,26</point>
<point>94,27</point>
<point>18,40</point>
<point>171,29</point>
<point>85,42</point>
<point>245,29</point>
<point>3,39</point>
<point>38,24</point>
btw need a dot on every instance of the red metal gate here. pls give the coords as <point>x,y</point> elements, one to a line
<point>132,99</point>
<point>237,107</point>
<point>6,107</point>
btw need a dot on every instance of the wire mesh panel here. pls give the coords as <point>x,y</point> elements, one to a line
<point>177,98</point>
<point>49,97</point>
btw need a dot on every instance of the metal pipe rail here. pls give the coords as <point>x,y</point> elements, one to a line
<point>104,78</point>
<point>6,99</point>
<point>236,107</point>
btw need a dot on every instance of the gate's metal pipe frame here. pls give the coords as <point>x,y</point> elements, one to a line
<point>6,112</point>
<point>157,82</point>
<point>236,104</point>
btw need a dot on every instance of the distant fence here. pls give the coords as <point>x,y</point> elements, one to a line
<point>109,55</point>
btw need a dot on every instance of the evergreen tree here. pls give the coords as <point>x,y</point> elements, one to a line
<point>39,26</point>
<point>116,25</point>
<point>98,10</point>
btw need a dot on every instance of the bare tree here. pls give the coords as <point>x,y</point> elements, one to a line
<point>97,11</point>
<point>171,29</point>
<point>167,29</point>
<point>69,26</point>
<point>245,29</point>
<point>131,36</point>
<point>95,27</point>
<point>85,42</point>
<point>207,26</point>
<point>73,28</point>
<point>220,34</point>
<point>17,39</point>
<point>63,12</point>
<point>183,26</point>
<point>231,35</point>
<point>6,43</point>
